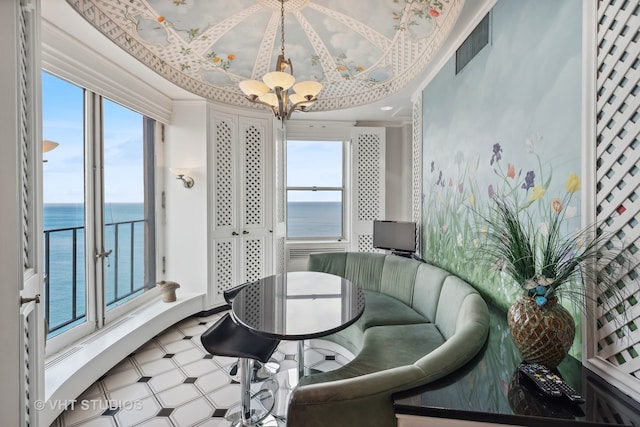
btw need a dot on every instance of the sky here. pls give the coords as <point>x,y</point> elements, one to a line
<point>62,114</point>
<point>314,163</point>
<point>309,163</point>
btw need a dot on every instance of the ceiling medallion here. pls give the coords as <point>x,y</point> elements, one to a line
<point>290,5</point>
<point>273,91</point>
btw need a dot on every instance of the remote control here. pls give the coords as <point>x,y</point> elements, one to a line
<point>549,383</point>
<point>566,389</point>
<point>539,374</point>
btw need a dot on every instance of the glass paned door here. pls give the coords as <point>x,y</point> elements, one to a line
<point>99,239</point>
<point>126,224</point>
<point>64,204</point>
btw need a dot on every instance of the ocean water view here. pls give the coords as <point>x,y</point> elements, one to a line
<point>314,219</point>
<point>64,233</point>
<point>64,229</point>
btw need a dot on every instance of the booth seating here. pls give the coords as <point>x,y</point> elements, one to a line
<point>420,323</point>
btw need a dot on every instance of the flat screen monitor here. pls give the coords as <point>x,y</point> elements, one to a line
<point>398,236</point>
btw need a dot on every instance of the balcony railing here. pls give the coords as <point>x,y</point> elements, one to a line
<point>64,259</point>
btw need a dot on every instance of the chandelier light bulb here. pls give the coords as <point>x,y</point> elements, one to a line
<point>270,99</point>
<point>279,79</point>
<point>308,89</point>
<point>253,88</point>
<point>299,100</point>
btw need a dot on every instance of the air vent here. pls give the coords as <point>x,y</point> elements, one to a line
<point>64,356</point>
<point>305,252</point>
<point>478,39</point>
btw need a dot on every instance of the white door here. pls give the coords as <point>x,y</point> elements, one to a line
<point>241,229</point>
<point>255,224</point>
<point>21,325</point>
<point>223,162</point>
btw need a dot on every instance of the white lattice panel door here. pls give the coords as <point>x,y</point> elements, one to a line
<point>224,154</point>
<point>368,181</point>
<point>241,224</point>
<point>618,185</point>
<point>256,218</point>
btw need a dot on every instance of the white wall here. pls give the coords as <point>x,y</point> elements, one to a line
<point>398,173</point>
<point>185,224</point>
<point>398,169</point>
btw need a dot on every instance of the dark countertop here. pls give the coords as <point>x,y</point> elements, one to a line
<point>488,389</point>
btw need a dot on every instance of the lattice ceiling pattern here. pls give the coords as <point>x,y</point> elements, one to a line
<point>361,50</point>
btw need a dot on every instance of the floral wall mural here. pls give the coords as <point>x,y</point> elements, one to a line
<point>508,125</point>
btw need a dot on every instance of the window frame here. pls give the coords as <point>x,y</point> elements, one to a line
<point>343,189</point>
<point>97,314</point>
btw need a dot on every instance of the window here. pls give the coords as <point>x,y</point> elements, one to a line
<point>64,205</point>
<point>128,204</point>
<point>99,228</point>
<point>315,189</point>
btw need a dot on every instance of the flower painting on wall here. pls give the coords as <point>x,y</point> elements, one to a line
<point>503,128</point>
<point>458,202</point>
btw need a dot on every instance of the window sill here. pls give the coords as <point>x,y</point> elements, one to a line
<point>71,371</point>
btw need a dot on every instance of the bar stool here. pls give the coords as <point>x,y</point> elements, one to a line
<point>261,371</point>
<point>227,338</point>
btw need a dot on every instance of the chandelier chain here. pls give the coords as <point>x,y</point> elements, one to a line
<point>282,27</point>
<point>273,91</point>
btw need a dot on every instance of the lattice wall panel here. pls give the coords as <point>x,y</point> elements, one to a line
<point>224,175</point>
<point>416,176</point>
<point>253,176</point>
<point>280,260</point>
<point>365,243</point>
<point>254,259</point>
<point>368,165</point>
<point>618,178</point>
<point>369,152</point>
<point>223,259</point>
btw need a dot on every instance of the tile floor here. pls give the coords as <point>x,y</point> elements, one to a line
<point>172,381</point>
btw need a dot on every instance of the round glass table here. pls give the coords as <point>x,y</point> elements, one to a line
<point>298,306</point>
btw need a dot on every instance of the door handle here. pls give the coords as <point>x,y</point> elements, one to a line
<point>103,254</point>
<point>35,299</point>
<point>233,233</point>
<point>245,232</point>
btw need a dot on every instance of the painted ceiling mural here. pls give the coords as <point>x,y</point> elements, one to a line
<point>361,50</point>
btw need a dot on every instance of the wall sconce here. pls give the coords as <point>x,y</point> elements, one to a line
<point>48,146</point>
<point>181,174</point>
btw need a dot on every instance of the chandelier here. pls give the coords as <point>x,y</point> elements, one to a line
<point>273,90</point>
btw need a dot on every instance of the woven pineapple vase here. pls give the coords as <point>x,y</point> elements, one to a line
<point>542,334</point>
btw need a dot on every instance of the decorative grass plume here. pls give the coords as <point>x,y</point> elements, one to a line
<point>545,260</point>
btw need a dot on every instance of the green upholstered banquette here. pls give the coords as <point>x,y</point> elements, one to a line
<point>420,323</point>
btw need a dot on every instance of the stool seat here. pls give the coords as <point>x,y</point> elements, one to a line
<point>261,371</point>
<point>227,338</point>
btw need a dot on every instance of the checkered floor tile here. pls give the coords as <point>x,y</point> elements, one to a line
<point>172,381</point>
